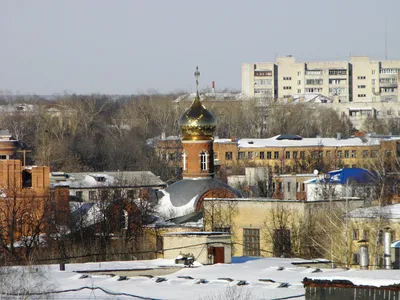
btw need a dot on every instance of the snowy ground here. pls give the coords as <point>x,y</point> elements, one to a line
<point>277,270</point>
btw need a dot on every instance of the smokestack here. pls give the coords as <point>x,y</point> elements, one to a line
<point>213,87</point>
<point>387,246</point>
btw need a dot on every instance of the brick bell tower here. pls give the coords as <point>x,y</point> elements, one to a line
<point>197,127</point>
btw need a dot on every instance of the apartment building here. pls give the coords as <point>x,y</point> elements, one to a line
<point>357,80</point>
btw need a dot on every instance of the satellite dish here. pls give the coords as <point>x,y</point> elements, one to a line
<point>316,172</point>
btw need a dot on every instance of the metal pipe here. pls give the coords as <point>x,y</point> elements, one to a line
<point>387,248</point>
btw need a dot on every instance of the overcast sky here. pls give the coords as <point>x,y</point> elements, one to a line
<point>131,46</point>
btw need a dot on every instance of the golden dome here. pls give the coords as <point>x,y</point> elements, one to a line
<point>197,123</point>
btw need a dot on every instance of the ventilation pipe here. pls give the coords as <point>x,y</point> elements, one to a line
<point>387,248</point>
<point>364,255</point>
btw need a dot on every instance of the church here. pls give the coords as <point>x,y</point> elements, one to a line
<point>186,196</point>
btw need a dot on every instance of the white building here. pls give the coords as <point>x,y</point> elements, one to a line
<point>357,80</point>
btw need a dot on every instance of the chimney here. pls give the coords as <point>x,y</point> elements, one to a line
<point>233,139</point>
<point>163,135</point>
<point>338,135</point>
<point>213,87</point>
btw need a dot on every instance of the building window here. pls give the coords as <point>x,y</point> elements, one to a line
<point>393,235</point>
<point>354,153</point>
<point>203,161</point>
<point>262,155</point>
<point>269,155</point>
<point>92,195</point>
<point>287,154</point>
<point>361,86</point>
<point>250,155</point>
<point>337,72</point>
<point>365,153</point>
<point>226,229</point>
<point>299,82</point>
<point>3,156</point>
<point>374,153</point>
<point>288,187</point>
<point>228,155</point>
<point>360,77</point>
<point>280,187</point>
<point>356,234</point>
<point>302,154</point>
<point>297,187</point>
<point>287,87</point>
<point>294,154</point>
<point>287,78</point>
<point>281,242</point>
<point>355,259</point>
<point>184,159</point>
<point>339,153</point>
<point>241,155</point>
<point>251,242</point>
<point>79,195</point>
<point>298,91</point>
<point>262,73</point>
<point>314,81</point>
<point>373,72</point>
<point>130,194</point>
<point>361,95</point>
<point>366,234</point>
<point>276,155</point>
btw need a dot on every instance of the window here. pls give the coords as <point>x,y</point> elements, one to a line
<point>339,153</point>
<point>303,186</point>
<point>365,153</point>
<point>78,195</point>
<point>281,242</point>
<point>314,81</point>
<point>287,78</point>
<point>299,82</point>
<point>374,153</point>
<point>298,73</point>
<point>302,154</point>
<point>373,81</point>
<point>251,242</point>
<point>360,77</point>
<point>373,72</point>
<point>228,155</point>
<point>203,161</point>
<point>250,155</point>
<point>393,233</point>
<point>294,154</point>
<point>297,187</point>
<point>366,234</point>
<point>262,73</point>
<point>287,87</point>
<point>328,153</point>
<point>262,155</point>
<point>287,154</point>
<point>355,258</point>
<point>3,156</point>
<point>298,91</point>
<point>356,234</point>
<point>269,154</point>
<point>314,72</point>
<point>92,195</point>
<point>280,185</point>
<point>361,95</point>
<point>184,161</point>
<point>288,187</point>
<point>241,155</point>
<point>361,86</point>
<point>353,153</point>
<point>263,82</point>
<point>222,229</point>
<point>276,155</point>
<point>104,194</point>
<point>130,194</point>
<point>337,72</point>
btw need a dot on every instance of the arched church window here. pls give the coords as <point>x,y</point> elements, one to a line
<point>184,160</point>
<point>203,161</point>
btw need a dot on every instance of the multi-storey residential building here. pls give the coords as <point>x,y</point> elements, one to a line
<point>358,80</point>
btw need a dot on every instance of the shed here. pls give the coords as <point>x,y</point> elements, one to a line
<point>206,247</point>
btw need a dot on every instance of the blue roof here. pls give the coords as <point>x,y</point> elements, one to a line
<point>349,175</point>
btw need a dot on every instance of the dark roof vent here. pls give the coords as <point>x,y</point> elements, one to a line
<point>289,137</point>
<point>250,142</point>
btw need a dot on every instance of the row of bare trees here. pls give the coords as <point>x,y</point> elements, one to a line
<point>97,132</point>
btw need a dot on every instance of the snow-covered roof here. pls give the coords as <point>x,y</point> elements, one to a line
<point>387,212</point>
<point>106,179</point>
<point>305,142</point>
